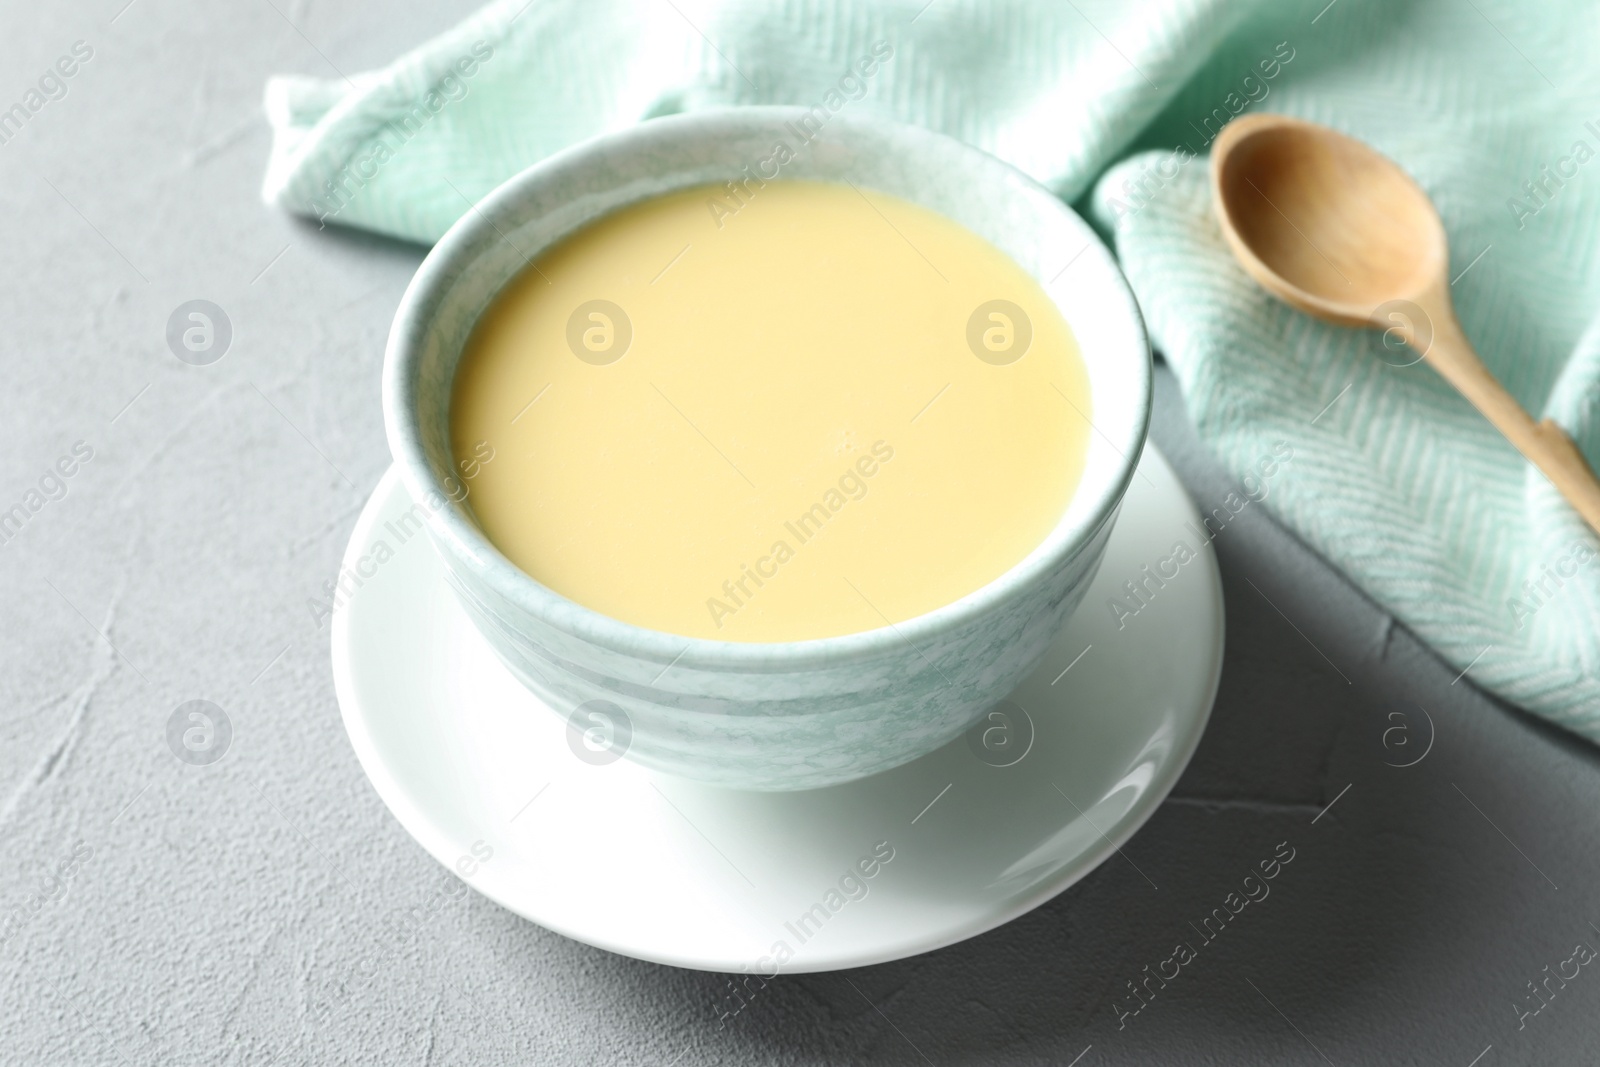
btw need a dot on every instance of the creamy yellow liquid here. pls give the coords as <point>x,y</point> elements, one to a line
<point>798,439</point>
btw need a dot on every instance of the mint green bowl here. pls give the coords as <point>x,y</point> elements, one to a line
<point>793,715</point>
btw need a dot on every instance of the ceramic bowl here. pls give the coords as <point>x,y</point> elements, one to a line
<point>774,716</point>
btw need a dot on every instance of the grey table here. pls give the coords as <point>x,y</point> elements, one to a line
<point>155,912</point>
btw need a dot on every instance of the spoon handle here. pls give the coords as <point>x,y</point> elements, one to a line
<point>1545,444</point>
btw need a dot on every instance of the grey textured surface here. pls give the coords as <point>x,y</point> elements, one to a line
<point>256,908</point>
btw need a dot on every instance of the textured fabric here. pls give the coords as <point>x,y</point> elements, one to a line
<point>1035,83</point>
<point>1400,482</point>
<point>1393,477</point>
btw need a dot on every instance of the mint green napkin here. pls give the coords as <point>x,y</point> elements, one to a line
<point>1393,477</point>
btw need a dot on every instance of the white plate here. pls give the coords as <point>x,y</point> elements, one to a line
<point>672,871</point>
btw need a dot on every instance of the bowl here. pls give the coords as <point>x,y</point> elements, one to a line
<point>789,715</point>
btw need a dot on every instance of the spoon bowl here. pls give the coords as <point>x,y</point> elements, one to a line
<point>1328,224</point>
<point>1331,227</point>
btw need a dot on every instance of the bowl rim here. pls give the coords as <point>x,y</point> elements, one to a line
<point>472,548</point>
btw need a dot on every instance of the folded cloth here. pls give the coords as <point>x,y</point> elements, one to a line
<point>1388,472</point>
<point>403,150</point>
<point>1394,477</point>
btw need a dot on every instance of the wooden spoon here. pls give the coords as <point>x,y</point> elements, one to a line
<point>1329,226</point>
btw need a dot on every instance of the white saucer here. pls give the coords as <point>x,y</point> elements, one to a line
<point>671,871</point>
